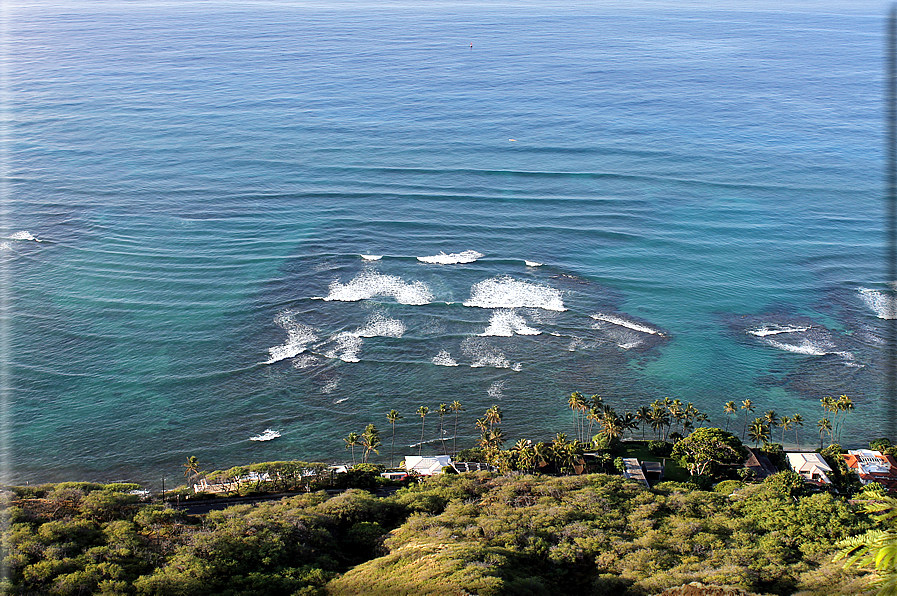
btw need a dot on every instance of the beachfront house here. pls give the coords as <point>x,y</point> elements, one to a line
<point>759,464</point>
<point>427,466</point>
<point>873,466</point>
<point>811,466</point>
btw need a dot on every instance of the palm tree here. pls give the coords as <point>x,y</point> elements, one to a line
<point>660,418</point>
<point>845,404</point>
<point>729,408</point>
<point>643,415</point>
<point>702,418</point>
<point>785,423</point>
<point>493,416</point>
<point>825,426</point>
<point>758,431</point>
<point>392,417</point>
<point>748,406</point>
<point>797,420</point>
<point>611,425</point>
<point>593,416</point>
<point>577,403</point>
<point>443,410</point>
<point>456,407</point>
<point>772,419</point>
<point>422,412</point>
<point>352,439</point>
<point>370,440</point>
<point>191,468</point>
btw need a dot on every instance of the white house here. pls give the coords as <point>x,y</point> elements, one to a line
<point>811,466</point>
<point>427,466</point>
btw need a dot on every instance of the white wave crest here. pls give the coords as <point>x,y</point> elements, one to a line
<point>495,390</point>
<point>883,304</point>
<point>532,263</point>
<point>305,361</point>
<point>506,292</point>
<point>298,336</point>
<point>5,246</point>
<point>482,354</point>
<point>371,257</point>
<point>624,323</point>
<point>804,347</point>
<point>517,366</point>
<point>505,323</point>
<point>370,284</point>
<point>347,347</point>
<point>381,326</point>
<point>443,358</point>
<point>468,256</point>
<point>767,330</point>
<point>22,235</point>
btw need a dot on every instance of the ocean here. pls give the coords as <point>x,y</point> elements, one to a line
<point>220,218</point>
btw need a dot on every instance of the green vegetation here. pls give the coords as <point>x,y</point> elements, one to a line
<point>556,518</point>
<point>476,533</point>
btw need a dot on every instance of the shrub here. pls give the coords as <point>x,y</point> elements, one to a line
<point>728,487</point>
<point>660,448</point>
<point>881,444</point>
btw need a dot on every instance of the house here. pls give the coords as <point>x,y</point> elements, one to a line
<point>427,466</point>
<point>811,466</point>
<point>759,464</point>
<point>873,466</point>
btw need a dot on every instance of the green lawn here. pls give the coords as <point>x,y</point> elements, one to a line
<point>639,450</point>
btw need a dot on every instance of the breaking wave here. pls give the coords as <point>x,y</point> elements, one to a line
<point>443,358</point>
<point>506,292</point>
<point>468,256</point>
<point>496,389</point>
<point>330,387</point>
<point>305,361</point>
<point>347,347</point>
<point>505,323</point>
<point>370,284</point>
<point>22,235</point>
<point>482,354</point>
<point>381,326</point>
<point>767,330</point>
<point>624,323</point>
<point>805,346</point>
<point>883,304</point>
<point>371,257</point>
<point>298,337</point>
<point>532,264</point>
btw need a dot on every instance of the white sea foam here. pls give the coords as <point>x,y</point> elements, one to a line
<point>506,292</point>
<point>482,354</point>
<point>532,263</point>
<point>517,366</point>
<point>370,284</point>
<point>22,235</point>
<point>443,358</point>
<point>505,323</point>
<point>381,326</point>
<point>883,304</point>
<point>5,246</point>
<point>804,347</point>
<point>468,256</point>
<point>305,361</point>
<point>340,400</point>
<point>495,390</point>
<point>624,323</point>
<point>767,330</point>
<point>371,257</point>
<point>347,347</point>
<point>298,337</point>
<point>331,386</point>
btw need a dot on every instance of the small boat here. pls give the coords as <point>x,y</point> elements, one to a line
<point>266,436</point>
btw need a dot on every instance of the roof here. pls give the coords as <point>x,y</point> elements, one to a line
<point>811,466</point>
<point>427,466</point>
<point>759,464</point>
<point>471,466</point>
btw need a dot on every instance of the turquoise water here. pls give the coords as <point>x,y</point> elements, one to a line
<point>192,189</point>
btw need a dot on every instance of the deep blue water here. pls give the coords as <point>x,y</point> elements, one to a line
<point>702,186</point>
